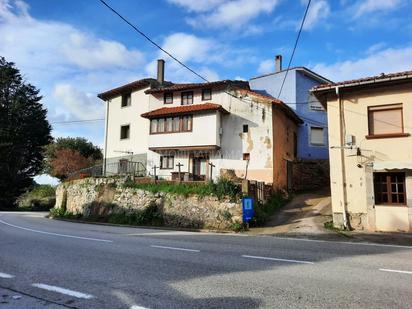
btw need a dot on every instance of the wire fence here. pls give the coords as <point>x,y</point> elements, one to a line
<point>122,167</point>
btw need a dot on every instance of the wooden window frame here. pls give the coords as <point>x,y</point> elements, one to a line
<point>167,168</point>
<point>165,122</point>
<point>184,94</point>
<point>165,96</point>
<point>121,127</point>
<point>125,97</point>
<point>388,107</point>
<point>203,94</point>
<point>378,188</point>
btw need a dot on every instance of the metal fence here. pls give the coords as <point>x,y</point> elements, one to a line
<point>122,167</point>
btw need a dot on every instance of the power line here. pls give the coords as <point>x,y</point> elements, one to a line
<point>152,42</point>
<point>294,48</point>
<point>77,121</point>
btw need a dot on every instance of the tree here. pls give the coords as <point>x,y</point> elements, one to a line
<point>66,162</point>
<point>90,153</point>
<point>24,131</point>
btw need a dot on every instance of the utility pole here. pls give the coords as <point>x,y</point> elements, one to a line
<point>179,165</point>
<point>211,170</point>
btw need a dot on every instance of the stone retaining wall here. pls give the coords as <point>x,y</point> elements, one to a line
<point>310,175</point>
<point>106,196</point>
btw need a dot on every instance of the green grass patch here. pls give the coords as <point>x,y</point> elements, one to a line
<point>39,198</point>
<point>264,211</point>
<point>221,188</point>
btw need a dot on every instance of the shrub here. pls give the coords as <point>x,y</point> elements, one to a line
<point>264,211</point>
<point>40,197</point>
<point>222,188</point>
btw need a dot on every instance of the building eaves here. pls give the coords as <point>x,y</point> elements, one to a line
<point>184,109</point>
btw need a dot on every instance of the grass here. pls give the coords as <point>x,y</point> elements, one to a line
<point>331,227</point>
<point>264,211</point>
<point>39,198</point>
<point>222,188</point>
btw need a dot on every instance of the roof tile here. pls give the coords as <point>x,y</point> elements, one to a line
<point>184,109</point>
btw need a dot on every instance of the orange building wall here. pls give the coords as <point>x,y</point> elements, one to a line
<point>283,146</point>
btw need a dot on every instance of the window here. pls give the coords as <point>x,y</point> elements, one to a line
<point>166,162</point>
<point>126,100</point>
<point>385,121</point>
<point>168,98</point>
<point>245,128</point>
<point>187,123</point>
<point>171,124</point>
<point>246,156</point>
<point>125,132</point>
<point>295,145</point>
<point>317,136</point>
<point>187,98</point>
<point>206,94</point>
<point>389,188</point>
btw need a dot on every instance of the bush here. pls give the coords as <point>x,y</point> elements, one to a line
<point>40,197</point>
<point>222,188</point>
<point>264,211</point>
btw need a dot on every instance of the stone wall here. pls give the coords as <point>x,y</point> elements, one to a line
<point>310,175</point>
<point>104,196</point>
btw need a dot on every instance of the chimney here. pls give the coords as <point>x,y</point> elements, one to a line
<point>278,63</point>
<point>160,71</point>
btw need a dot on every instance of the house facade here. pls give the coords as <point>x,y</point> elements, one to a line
<point>313,133</point>
<point>370,151</point>
<point>200,131</point>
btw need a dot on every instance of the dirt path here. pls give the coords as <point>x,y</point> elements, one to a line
<point>306,213</point>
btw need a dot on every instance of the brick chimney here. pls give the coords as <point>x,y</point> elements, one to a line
<point>160,71</point>
<point>278,63</point>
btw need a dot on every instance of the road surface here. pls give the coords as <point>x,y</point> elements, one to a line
<point>56,264</point>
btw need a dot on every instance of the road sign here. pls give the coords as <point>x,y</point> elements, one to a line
<point>248,209</point>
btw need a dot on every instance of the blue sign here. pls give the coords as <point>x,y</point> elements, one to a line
<point>247,207</point>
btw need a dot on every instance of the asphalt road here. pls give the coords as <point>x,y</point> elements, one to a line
<point>56,264</point>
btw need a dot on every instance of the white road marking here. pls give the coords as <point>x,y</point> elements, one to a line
<point>276,259</point>
<point>396,271</point>
<point>54,234</point>
<point>338,242</point>
<point>62,290</point>
<point>138,307</point>
<point>174,248</point>
<point>6,276</point>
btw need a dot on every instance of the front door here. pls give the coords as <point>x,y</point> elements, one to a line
<point>199,168</point>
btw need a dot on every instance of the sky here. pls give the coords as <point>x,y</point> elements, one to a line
<point>73,49</point>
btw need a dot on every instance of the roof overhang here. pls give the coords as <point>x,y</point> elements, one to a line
<point>392,165</point>
<point>169,149</point>
<point>184,110</point>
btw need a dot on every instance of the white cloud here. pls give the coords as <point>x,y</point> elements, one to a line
<point>369,6</point>
<point>266,66</point>
<point>318,11</point>
<point>384,61</point>
<point>198,5</point>
<point>69,65</point>
<point>80,104</point>
<point>233,14</point>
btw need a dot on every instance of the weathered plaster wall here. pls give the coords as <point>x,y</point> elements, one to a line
<point>359,170</point>
<point>94,196</point>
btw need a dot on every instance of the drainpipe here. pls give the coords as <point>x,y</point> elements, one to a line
<point>342,132</point>
<point>105,137</point>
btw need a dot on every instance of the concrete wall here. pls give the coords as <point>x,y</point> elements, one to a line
<point>139,127</point>
<point>295,91</point>
<point>359,179</point>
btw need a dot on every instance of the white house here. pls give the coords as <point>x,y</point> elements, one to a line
<point>200,130</point>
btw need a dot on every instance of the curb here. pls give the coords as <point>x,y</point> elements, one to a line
<point>168,228</point>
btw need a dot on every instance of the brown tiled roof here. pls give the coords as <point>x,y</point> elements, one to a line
<point>366,80</point>
<point>289,111</point>
<point>190,86</point>
<point>184,109</point>
<point>136,85</point>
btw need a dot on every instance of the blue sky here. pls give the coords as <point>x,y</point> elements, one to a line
<point>74,49</point>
